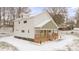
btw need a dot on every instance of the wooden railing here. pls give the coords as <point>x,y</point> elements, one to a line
<point>47,37</point>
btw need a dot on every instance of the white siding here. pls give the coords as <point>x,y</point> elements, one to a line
<point>24,26</point>
<point>30,25</point>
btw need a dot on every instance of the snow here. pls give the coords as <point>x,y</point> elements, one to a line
<point>66,42</point>
<point>24,45</point>
<point>43,23</point>
<point>7,47</point>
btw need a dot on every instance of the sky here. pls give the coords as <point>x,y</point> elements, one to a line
<point>37,10</point>
<point>71,12</point>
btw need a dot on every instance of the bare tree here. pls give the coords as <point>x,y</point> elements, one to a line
<point>58,14</point>
<point>9,14</point>
<point>0,16</point>
<point>22,10</point>
<point>77,14</point>
<point>77,18</point>
<point>0,13</point>
<point>25,10</point>
<point>18,12</point>
<point>3,15</point>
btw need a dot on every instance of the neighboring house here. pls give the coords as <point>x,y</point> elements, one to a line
<point>39,28</point>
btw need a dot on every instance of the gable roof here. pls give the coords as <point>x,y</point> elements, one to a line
<point>49,25</point>
<point>58,19</point>
<point>42,24</point>
<point>40,20</point>
<point>44,19</point>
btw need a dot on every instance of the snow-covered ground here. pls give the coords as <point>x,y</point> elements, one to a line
<point>4,46</point>
<point>5,31</point>
<point>67,42</point>
<point>24,45</point>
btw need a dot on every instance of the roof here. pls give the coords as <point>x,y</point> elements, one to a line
<point>49,25</point>
<point>42,19</point>
<point>42,24</point>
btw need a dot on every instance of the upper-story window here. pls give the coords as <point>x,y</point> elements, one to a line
<point>25,21</point>
<point>28,31</point>
<point>22,31</point>
<point>19,22</point>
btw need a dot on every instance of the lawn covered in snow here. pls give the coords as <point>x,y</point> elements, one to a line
<point>64,44</point>
<point>68,42</point>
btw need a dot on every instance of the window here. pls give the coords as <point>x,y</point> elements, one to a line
<point>25,21</point>
<point>19,22</point>
<point>41,31</point>
<point>49,31</point>
<point>28,31</point>
<point>22,31</point>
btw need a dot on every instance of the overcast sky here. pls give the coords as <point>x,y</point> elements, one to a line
<point>37,10</point>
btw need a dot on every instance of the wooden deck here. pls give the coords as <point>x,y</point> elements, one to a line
<point>47,37</point>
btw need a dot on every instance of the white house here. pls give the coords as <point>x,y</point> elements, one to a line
<point>39,28</point>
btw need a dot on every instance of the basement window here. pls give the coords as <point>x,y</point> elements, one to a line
<point>25,21</point>
<point>22,31</point>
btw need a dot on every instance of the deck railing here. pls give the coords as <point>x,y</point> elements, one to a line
<point>39,38</point>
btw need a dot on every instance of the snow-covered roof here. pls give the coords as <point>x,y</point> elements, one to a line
<point>42,19</point>
<point>43,23</point>
<point>18,19</point>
